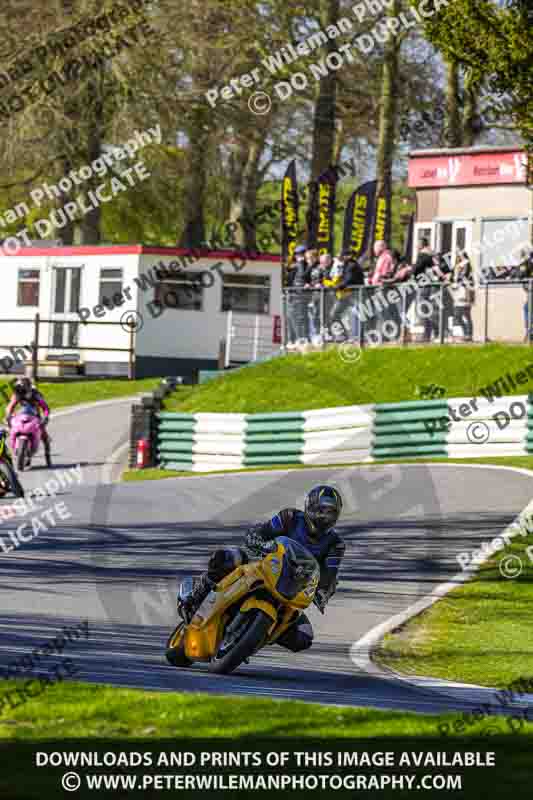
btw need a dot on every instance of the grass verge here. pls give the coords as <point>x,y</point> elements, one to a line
<point>381,375</point>
<point>479,633</point>
<point>81,710</point>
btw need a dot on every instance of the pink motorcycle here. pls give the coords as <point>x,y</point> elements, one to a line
<point>25,436</point>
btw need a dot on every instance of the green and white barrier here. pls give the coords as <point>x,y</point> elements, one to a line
<point>458,428</point>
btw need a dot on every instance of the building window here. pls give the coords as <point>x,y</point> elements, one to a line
<point>67,290</point>
<point>185,293</point>
<point>503,242</point>
<point>110,284</point>
<point>248,294</point>
<point>28,287</point>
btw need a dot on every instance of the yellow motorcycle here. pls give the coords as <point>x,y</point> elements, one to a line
<point>8,477</point>
<point>250,608</point>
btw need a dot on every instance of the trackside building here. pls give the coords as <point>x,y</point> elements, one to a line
<point>177,302</point>
<point>478,199</point>
<point>474,199</point>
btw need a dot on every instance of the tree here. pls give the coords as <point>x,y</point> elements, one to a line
<point>491,40</point>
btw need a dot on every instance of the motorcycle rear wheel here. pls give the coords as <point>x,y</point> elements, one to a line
<point>252,638</point>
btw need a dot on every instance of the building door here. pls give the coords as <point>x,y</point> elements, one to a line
<point>461,239</point>
<point>453,237</point>
<point>66,303</point>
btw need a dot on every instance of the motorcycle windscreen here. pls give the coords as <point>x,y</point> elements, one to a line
<point>298,569</point>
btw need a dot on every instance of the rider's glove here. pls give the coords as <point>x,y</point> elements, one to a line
<point>321,600</point>
<point>253,541</point>
<point>268,547</point>
<point>257,545</point>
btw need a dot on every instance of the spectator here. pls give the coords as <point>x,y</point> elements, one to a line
<point>464,295</point>
<point>526,275</point>
<point>315,276</point>
<point>443,296</point>
<point>383,272</point>
<point>384,265</point>
<point>331,280</point>
<point>425,263</point>
<point>351,277</point>
<point>403,274</point>
<point>393,310</point>
<point>425,259</point>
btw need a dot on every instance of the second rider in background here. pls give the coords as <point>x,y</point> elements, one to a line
<point>26,393</point>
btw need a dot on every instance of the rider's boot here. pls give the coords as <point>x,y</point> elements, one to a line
<point>47,455</point>
<point>188,607</point>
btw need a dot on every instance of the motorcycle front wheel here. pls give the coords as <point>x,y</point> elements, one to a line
<point>22,455</point>
<point>250,639</point>
<point>176,655</point>
<point>9,480</point>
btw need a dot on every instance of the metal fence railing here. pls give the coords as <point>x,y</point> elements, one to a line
<point>408,312</point>
<point>38,339</point>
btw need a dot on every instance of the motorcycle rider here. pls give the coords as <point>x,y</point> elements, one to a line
<point>25,393</point>
<point>312,528</point>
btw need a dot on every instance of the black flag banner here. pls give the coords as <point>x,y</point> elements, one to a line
<point>321,212</point>
<point>289,214</point>
<point>383,220</point>
<point>359,219</point>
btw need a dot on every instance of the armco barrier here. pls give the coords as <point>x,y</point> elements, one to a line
<point>458,428</point>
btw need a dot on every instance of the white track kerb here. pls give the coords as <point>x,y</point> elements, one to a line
<point>361,650</point>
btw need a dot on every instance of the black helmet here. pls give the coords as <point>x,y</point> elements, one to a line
<point>23,389</point>
<point>323,506</point>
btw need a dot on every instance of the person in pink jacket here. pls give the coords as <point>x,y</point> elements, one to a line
<point>24,392</point>
<point>385,265</point>
<point>383,272</point>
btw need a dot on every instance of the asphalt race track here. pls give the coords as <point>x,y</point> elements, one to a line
<point>118,559</point>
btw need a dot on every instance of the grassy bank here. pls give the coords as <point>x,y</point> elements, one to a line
<point>59,395</point>
<point>381,375</point>
<point>479,633</point>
